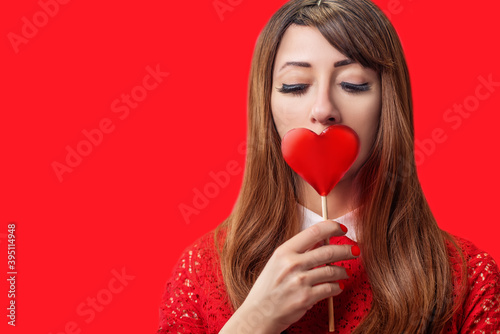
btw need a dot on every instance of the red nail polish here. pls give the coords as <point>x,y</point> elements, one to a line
<point>355,250</point>
<point>341,285</point>
<point>348,272</point>
<point>344,229</point>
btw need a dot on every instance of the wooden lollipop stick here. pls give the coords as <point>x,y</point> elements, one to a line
<point>331,320</point>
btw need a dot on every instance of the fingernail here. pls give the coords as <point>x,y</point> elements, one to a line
<point>355,250</point>
<point>344,229</point>
<point>348,272</point>
<point>341,285</point>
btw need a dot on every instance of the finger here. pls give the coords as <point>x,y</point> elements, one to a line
<point>328,254</point>
<point>326,274</point>
<point>312,235</point>
<point>324,290</point>
<point>317,245</point>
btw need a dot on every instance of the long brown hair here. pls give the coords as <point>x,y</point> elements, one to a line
<point>403,250</point>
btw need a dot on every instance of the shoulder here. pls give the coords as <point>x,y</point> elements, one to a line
<point>205,244</point>
<point>481,303</point>
<point>479,262</point>
<point>200,254</point>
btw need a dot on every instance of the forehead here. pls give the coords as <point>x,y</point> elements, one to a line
<point>307,44</point>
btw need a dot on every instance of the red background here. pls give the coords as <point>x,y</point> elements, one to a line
<point>119,208</point>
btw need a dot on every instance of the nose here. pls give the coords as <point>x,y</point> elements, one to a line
<point>324,111</point>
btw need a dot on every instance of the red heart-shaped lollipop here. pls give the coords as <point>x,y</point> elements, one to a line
<point>322,159</point>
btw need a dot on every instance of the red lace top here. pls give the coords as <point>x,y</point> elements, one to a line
<point>195,298</point>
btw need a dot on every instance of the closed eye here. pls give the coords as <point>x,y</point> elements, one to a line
<point>354,88</point>
<point>300,89</point>
<point>297,89</point>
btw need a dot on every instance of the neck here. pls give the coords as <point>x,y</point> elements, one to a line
<point>339,200</point>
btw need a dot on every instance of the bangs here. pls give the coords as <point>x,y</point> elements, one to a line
<point>354,31</point>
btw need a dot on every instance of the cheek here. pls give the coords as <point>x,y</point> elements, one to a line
<point>277,115</point>
<point>363,117</point>
<point>368,125</point>
<point>367,134</point>
<point>287,114</point>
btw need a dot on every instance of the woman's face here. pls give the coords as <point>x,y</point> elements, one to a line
<point>315,86</point>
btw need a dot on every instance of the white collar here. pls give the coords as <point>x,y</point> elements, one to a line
<point>309,218</point>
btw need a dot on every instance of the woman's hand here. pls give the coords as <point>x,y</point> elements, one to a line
<point>291,281</point>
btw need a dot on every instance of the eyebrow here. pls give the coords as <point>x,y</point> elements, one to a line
<point>339,63</point>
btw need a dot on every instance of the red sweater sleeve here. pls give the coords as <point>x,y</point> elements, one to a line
<point>482,305</point>
<point>195,300</point>
<point>179,310</point>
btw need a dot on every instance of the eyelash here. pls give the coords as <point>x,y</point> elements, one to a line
<point>293,89</point>
<point>300,89</point>
<point>353,88</point>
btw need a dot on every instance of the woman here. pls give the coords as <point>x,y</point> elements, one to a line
<point>316,64</point>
